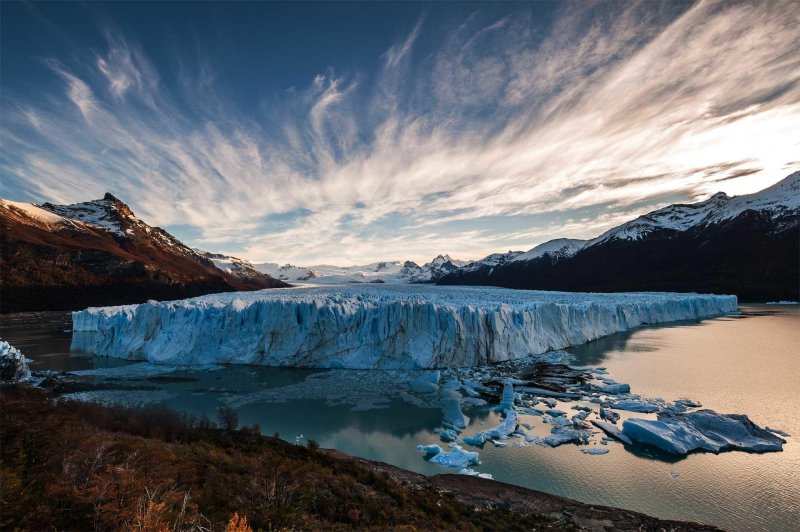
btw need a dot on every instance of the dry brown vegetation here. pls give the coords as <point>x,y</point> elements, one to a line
<point>76,466</point>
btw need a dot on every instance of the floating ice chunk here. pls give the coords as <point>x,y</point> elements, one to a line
<point>505,428</point>
<point>497,443</point>
<point>13,364</point>
<point>532,438</point>
<point>595,450</point>
<point>613,388</point>
<point>507,403</point>
<point>612,430</point>
<point>555,412</point>
<point>451,411</point>
<point>476,440</point>
<point>674,474</point>
<point>429,449</point>
<point>457,457</point>
<point>609,415</point>
<point>473,401</point>
<point>528,426</point>
<point>452,384</point>
<point>688,403</point>
<point>561,421</point>
<point>561,435</point>
<point>427,383</point>
<point>702,430</point>
<point>580,416</point>
<point>448,435</point>
<point>642,407</point>
<point>470,392</point>
<point>473,473</point>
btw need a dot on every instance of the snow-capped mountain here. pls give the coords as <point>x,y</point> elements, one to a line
<point>780,203</point>
<point>97,253</point>
<point>392,272</point>
<point>241,269</point>
<point>745,245</point>
<point>559,248</point>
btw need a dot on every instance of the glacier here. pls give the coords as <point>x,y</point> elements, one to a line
<point>376,326</point>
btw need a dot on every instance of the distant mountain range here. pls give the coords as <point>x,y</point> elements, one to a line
<point>63,257</point>
<point>745,245</point>
<point>394,272</point>
<point>59,257</point>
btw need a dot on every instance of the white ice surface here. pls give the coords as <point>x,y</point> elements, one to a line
<point>457,457</point>
<point>702,430</point>
<point>377,326</point>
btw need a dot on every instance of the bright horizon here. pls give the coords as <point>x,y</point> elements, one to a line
<point>353,133</point>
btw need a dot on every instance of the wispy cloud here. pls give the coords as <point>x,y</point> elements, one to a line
<point>508,133</point>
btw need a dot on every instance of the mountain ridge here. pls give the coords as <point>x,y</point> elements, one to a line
<point>745,245</point>
<point>66,257</point>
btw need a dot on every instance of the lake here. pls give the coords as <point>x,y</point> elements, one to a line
<point>747,363</point>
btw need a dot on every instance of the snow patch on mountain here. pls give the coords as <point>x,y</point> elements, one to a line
<point>781,202</point>
<point>376,326</point>
<point>558,248</point>
<point>104,214</point>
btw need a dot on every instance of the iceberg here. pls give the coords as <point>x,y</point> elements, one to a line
<point>375,326</point>
<point>13,364</point>
<point>457,457</point>
<point>451,411</point>
<point>429,449</point>
<point>507,402</point>
<point>702,430</point>
<point>562,435</point>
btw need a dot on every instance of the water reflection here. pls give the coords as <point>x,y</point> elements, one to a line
<point>747,363</point>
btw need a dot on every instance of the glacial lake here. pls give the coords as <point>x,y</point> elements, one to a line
<point>747,363</point>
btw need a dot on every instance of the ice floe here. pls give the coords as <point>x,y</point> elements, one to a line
<point>456,457</point>
<point>703,430</point>
<point>429,449</point>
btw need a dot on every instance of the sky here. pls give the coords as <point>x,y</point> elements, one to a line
<point>346,133</point>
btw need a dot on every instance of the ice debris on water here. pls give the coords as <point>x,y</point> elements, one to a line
<point>703,430</point>
<point>507,402</point>
<point>426,383</point>
<point>429,449</point>
<point>643,407</point>
<point>456,457</point>
<point>612,431</point>
<point>594,450</point>
<point>448,435</point>
<point>473,473</point>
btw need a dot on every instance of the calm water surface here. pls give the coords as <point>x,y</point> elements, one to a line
<point>748,363</point>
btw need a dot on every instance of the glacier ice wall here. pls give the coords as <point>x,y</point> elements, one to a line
<point>378,326</point>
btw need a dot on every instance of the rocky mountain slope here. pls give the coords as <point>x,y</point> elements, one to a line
<point>62,257</point>
<point>745,245</point>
